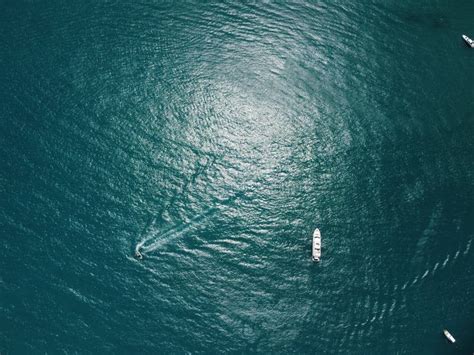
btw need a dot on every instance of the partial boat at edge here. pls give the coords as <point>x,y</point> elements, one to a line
<point>468,41</point>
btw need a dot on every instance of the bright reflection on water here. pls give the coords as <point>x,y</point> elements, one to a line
<point>215,138</point>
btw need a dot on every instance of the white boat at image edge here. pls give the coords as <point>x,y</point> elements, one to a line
<point>469,41</point>
<point>316,245</point>
<point>449,336</point>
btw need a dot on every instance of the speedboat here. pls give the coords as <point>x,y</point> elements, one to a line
<point>449,336</point>
<point>138,255</point>
<point>316,245</point>
<point>469,41</point>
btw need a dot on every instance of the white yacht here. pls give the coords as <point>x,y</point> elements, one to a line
<point>469,41</point>
<point>449,336</point>
<point>316,245</point>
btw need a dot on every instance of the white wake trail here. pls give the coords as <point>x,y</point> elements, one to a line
<point>150,233</point>
<point>157,240</point>
<point>173,233</point>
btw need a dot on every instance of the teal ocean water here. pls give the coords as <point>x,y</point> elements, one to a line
<point>217,136</point>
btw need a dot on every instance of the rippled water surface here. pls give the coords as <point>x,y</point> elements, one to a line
<point>216,137</point>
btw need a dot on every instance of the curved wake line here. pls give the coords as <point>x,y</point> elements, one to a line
<point>438,265</point>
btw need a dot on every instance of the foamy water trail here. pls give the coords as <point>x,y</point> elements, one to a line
<point>445,261</point>
<point>149,233</point>
<point>467,247</point>
<point>456,255</point>
<point>392,307</point>
<point>448,260</point>
<point>174,233</point>
<point>202,166</point>
<point>158,240</point>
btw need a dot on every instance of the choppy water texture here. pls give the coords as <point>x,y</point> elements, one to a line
<point>217,137</point>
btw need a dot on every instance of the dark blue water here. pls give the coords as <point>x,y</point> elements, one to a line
<point>216,137</point>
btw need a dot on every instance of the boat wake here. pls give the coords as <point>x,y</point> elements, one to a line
<point>153,239</point>
<point>373,311</point>
<point>438,266</point>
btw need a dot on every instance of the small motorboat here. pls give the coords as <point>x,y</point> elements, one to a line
<point>138,255</point>
<point>449,336</point>
<point>468,41</point>
<point>316,245</point>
